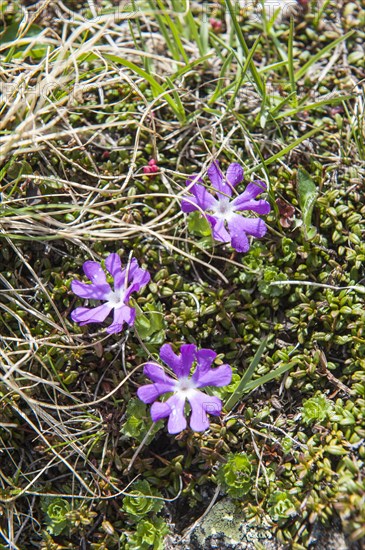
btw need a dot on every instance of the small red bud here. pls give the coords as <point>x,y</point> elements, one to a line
<point>216,24</point>
<point>151,168</point>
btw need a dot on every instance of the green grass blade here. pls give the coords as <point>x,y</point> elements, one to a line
<point>194,31</point>
<point>188,67</point>
<point>156,87</point>
<point>242,73</point>
<point>176,96</point>
<point>163,29</point>
<point>311,106</point>
<point>241,39</point>
<point>279,106</point>
<point>219,91</point>
<point>301,72</point>
<point>293,86</point>
<point>241,389</point>
<point>174,31</point>
<point>269,376</point>
<point>284,151</point>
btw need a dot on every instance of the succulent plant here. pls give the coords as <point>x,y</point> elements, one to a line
<point>237,474</point>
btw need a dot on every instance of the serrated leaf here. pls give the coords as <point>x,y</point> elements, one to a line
<point>307,195</point>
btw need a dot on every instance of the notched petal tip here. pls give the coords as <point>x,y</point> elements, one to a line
<point>85,315</point>
<point>113,263</point>
<point>234,174</point>
<point>169,357</point>
<point>114,328</point>
<point>218,376</point>
<point>202,405</point>
<point>94,272</point>
<point>160,411</point>
<point>188,206</point>
<point>214,173</point>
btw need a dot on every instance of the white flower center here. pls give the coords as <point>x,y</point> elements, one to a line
<point>116,298</point>
<point>224,209</point>
<point>184,386</point>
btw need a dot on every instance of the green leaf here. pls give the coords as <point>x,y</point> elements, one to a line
<point>198,225</point>
<point>18,44</point>
<point>56,510</point>
<point>150,321</point>
<point>307,195</point>
<point>18,169</point>
<point>143,326</point>
<point>139,422</point>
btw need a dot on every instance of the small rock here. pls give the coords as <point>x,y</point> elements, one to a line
<point>224,529</point>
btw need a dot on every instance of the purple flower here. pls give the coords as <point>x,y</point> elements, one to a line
<point>184,387</point>
<point>126,281</point>
<point>227,225</point>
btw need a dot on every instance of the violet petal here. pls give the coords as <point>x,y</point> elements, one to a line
<point>201,404</point>
<point>140,277</point>
<point>85,315</point>
<point>177,421</point>
<point>90,291</point>
<point>205,358</point>
<point>205,200</point>
<point>252,190</point>
<point>150,392</point>
<point>188,355</point>
<point>219,376</point>
<point>159,411</point>
<point>170,358</point>
<point>157,374</point>
<point>124,314</point>
<point>251,226</point>
<point>215,175</point>
<point>234,174</point>
<point>259,206</point>
<point>219,231</point>
<point>217,180</point>
<point>238,227</point>
<point>94,272</point>
<point>120,276</point>
<point>113,264</point>
<point>190,205</point>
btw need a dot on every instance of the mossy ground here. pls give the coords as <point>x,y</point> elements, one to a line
<point>88,98</point>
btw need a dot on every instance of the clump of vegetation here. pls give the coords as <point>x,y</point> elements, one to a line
<point>316,409</point>
<point>281,507</point>
<point>237,475</point>
<point>56,518</point>
<point>138,504</point>
<point>148,534</point>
